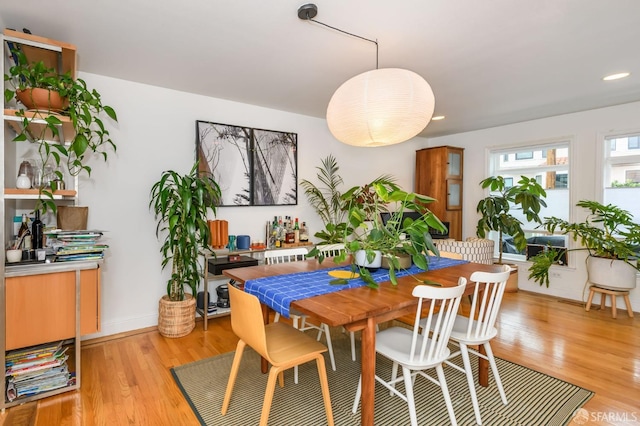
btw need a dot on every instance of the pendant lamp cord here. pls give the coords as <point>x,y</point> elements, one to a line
<point>348,33</point>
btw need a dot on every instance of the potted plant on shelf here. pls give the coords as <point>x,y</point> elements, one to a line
<point>63,96</point>
<point>180,204</point>
<point>495,210</point>
<point>368,238</point>
<point>611,238</point>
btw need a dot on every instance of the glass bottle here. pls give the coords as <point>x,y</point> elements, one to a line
<point>304,233</point>
<point>296,232</point>
<point>36,231</point>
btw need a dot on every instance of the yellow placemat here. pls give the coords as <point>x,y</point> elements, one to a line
<point>347,275</point>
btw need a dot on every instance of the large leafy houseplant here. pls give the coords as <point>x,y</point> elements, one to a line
<point>180,204</point>
<point>607,232</point>
<point>82,105</point>
<point>495,209</point>
<point>366,231</point>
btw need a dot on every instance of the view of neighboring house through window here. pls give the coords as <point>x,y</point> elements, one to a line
<point>548,163</point>
<point>622,173</point>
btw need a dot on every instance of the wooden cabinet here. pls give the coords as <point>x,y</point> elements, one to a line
<point>439,174</point>
<point>42,308</point>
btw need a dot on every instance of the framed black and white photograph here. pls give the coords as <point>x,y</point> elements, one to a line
<point>254,167</point>
<point>227,153</point>
<point>274,168</point>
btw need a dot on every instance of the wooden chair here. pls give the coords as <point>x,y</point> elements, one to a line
<point>280,344</point>
<point>300,320</point>
<point>603,298</point>
<point>415,350</point>
<point>479,329</point>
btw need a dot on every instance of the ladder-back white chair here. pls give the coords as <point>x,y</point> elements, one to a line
<point>419,350</point>
<point>298,318</point>
<point>480,329</point>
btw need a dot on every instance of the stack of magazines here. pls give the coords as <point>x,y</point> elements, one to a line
<point>76,245</point>
<point>36,369</point>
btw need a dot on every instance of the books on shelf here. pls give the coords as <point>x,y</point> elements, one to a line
<point>36,369</point>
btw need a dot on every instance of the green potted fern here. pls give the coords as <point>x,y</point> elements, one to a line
<point>181,204</point>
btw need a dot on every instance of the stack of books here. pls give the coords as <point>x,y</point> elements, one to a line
<point>76,245</point>
<point>36,369</point>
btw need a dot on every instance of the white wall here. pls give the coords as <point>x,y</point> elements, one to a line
<point>585,130</point>
<point>156,132</point>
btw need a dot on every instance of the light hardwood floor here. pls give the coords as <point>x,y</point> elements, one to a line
<point>126,380</point>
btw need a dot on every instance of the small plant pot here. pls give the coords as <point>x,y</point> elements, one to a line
<point>361,259</point>
<point>41,99</point>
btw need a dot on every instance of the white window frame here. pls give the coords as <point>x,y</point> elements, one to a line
<point>496,152</point>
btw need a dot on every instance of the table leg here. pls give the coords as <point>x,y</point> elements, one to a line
<point>368,372</point>
<point>483,368</point>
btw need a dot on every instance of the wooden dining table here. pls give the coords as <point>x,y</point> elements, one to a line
<point>363,308</point>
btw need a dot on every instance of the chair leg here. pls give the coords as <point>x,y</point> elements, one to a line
<point>324,384</point>
<point>235,366</point>
<point>408,385</point>
<point>274,372</point>
<point>494,369</point>
<point>352,336</point>
<point>356,401</point>
<point>394,375</point>
<point>276,318</point>
<point>295,375</point>
<point>445,394</point>
<point>470,381</point>
<point>325,328</point>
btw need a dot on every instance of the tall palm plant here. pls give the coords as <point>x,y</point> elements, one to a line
<point>327,201</point>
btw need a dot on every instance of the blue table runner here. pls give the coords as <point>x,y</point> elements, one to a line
<point>278,292</point>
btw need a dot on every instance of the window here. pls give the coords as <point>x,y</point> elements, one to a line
<point>549,164</point>
<point>621,178</point>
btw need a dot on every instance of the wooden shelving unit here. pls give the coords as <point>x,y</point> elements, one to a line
<point>32,301</point>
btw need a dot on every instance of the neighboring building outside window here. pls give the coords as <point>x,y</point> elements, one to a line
<point>549,164</point>
<point>621,177</point>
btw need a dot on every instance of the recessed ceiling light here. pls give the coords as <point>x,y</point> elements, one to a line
<point>616,76</point>
<point>437,117</point>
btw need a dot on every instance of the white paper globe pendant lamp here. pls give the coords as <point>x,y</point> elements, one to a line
<point>379,107</point>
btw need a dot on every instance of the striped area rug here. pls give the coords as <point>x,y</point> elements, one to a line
<point>534,398</point>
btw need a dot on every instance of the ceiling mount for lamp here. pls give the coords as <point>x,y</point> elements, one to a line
<point>379,107</point>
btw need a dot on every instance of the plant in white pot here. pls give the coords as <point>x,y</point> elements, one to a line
<point>181,204</point>
<point>610,236</point>
<point>367,238</point>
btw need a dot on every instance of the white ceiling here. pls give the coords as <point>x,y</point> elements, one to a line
<point>490,62</point>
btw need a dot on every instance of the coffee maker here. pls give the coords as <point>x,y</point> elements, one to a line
<point>223,296</point>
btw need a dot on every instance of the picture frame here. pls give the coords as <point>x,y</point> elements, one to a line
<point>253,167</point>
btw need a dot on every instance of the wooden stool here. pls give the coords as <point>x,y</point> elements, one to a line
<point>603,297</point>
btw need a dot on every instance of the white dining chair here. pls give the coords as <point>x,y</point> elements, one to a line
<point>479,329</point>
<point>299,320</point>
<point>422,348</point>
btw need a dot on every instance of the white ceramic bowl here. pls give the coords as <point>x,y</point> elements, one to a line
<point>14,256</point>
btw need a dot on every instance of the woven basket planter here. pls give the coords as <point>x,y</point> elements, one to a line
<point>176,319</point>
